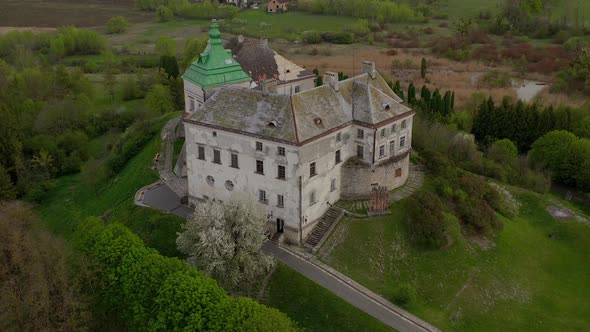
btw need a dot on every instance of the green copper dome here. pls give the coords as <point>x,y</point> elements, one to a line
<point>216,65</point>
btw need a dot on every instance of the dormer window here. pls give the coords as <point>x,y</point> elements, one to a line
<point>318,122</point>
<point>385,107</point>
<point>273,124</point>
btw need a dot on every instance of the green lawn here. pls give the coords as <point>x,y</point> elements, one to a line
<point>528,282</point>
<point>314,307</point>
<point>471,8</point>
<point>73,201</point>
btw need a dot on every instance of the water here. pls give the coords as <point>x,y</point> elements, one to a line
<point>527,90</point>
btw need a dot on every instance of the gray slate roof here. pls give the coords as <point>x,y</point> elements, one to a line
<point>304,115</point>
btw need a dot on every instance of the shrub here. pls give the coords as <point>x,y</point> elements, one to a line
<point>428,30</point>
<point>474,208</point>
<point>117,24</point>
<point>312,37</point>
<point>426,223</point>
<point>164,14</point>
<point>508,205</point>
<point>338,37</point>
<point>405,295</point>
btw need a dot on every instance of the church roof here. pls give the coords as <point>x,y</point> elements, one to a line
<point>304,116</point>
<point>216,65</point>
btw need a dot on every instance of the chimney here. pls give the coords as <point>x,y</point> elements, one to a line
<point>240,39</point>
<point>369,68</point>
<point>268,86</point>
<point>331,79</point>
<point>264,41</point>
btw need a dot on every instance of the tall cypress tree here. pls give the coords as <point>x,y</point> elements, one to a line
<point>411,94</point>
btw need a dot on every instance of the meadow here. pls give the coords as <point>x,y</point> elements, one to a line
<point>531,277</point>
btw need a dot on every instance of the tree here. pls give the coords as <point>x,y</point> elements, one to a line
<point>57,49</point>
<point>553,150</point>
<point>117,24</point>
<point>319,81</point>
<point>170,65</point>
<point>40,290</point>
<point>583,128</point>
<point>130,88</point>
<point>502,151</point>
<point>159,100</point>
<point>426,223</point>
<point>164,14</point>
<point>192,48</point>
<point>423,69</point>
<point>411,94</point>
<point>7,191</point>
<point>166,46</point>
<point>224,241</point>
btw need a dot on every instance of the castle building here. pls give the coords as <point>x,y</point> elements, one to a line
<point>295,154</point>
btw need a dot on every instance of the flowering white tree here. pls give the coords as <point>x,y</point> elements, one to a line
<point>224,241</point>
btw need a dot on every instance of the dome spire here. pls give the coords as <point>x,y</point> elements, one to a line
<point>214,34</point>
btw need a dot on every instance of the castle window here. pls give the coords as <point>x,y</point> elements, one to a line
<point>297,88</point>
<point>360,152</point>
<point>383,132</point>
<point>281,151</point>
<point>191,103</point>
<point>260,167</point>
<point>402,142</point>
<point>392,148</point>
<point>398,172</point>
<point>281,175</point>
<point>394,128</point>
<point>333,185</point>
<point>404,124</point>
<point>382,151</point>
<point>337,157</point>
<point>338,137</point>
<point>262,197</point>
<point>214,134</point>
<point>201,153</point>
<point>210,180</point>
<point>280,201</point>
<point>216,156</point>
<point>312,198</point>
<point>258,146</point>
<point>360,134</point>
<point>312,170</point>
<point>234,161</point>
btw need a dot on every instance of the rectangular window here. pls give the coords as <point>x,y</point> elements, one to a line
<point>382,151</point>
<point>280,201</point>
<point>216,156</point>
<point>398,172</point>
<point>360,152</point>
<point>312,170</point>
<point>214,134</point>
<point>260,167</point>
<point>337,156</point>
<point>338,137</point>
<point>404,124</point>
<point>262,196</point>
<point>234,160</point>
<point>333,185</point>
<point>392,148</point>
<point>360,134</point>
<point>192,103</point>
<point>312,200</point>
<point>281,151</point>
<point>402,142</point>
<point>201,153</point>
<point>394,128</point>
<point>258,146</point>
<point>281,174</point>
<point>297,89</point>
<point>383,132</point>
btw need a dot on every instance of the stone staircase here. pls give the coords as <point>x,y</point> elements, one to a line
<point>323,228</point>
<point>413,184</point>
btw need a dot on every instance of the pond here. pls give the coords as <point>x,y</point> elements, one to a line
<point>527,90</point>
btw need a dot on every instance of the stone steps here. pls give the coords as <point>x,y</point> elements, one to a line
<point>323,226</point>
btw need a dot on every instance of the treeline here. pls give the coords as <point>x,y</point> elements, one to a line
<point>434,105</point>
<point>380,11</point>
<point>521,123</point>
<point>184,8</point>
<point>151,292</point>
<point>25,48</point>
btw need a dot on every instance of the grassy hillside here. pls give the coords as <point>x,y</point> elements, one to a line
<point>533,279</point>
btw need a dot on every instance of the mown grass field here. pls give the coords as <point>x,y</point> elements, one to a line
<point>534,278</point>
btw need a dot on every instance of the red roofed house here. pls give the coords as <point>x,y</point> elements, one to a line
<point>275,6</point>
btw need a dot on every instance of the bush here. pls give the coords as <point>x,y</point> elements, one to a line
<point>164,14</point>
<point>312,37</point>
<point>338,37</point>
<point>426,222</point>
<point>405,295</point>
<point>508,205</point>
<point>117,24</point>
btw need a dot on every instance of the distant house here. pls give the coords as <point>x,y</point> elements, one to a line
<point>275,6</point>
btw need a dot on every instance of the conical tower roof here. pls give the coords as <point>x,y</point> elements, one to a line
<point>216,65</point>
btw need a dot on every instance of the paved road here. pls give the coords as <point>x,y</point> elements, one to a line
<point>350,291</point>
